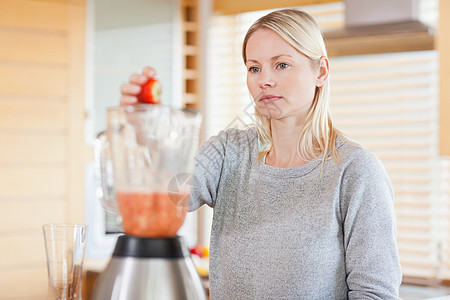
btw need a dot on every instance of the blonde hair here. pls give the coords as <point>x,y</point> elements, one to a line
<point>299,29</point>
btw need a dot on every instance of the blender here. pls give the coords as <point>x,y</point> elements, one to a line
<point>144,164</point>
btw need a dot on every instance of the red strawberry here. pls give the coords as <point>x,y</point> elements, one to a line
<point>200,250</point>
<point>150,92</point>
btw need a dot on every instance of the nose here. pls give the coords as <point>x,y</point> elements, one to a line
<point>266,79</point>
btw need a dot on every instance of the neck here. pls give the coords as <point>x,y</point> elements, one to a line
<point>284,152</point>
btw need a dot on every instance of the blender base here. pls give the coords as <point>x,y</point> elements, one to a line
<point>149,268</point>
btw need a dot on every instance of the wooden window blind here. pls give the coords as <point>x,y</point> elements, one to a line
<point>444,271</point>
<point>388,102</point>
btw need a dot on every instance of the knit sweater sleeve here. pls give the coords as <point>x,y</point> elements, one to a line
<point>369,228</point>
<point>209,163</point>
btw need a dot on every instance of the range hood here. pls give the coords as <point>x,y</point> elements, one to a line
<point>380,26</point>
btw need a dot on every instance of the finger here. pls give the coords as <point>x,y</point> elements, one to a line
<point>130,89</point>
<point>128,100</point>
<point>138,79</point>
<point>149,72</point>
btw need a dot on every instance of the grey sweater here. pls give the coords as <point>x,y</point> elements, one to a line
<point>296,233</point>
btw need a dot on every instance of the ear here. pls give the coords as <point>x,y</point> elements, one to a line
<point>324,71</point>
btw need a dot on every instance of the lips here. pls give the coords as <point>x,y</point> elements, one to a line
<point>269,98</point>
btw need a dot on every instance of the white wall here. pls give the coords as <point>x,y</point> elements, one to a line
<point>122,37</point>
<point>123,51</point>
<point>125,36</point>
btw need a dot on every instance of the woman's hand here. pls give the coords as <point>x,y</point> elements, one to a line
<point>131,90</point>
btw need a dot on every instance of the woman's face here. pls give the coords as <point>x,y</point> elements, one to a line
<point>281,80</point>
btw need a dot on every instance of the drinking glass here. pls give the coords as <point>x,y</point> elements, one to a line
<point>65,246</point>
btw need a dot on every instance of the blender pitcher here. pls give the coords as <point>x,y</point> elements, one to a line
<point>144,163</point>
<point>144,166</point>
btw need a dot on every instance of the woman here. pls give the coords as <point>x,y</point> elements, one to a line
<point>300,212</point>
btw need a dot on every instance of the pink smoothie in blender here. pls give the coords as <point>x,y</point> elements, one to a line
<point>151,214</point>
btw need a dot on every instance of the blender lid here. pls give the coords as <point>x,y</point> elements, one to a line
<point>134,246</point>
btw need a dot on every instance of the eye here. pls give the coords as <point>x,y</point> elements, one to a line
<point>282,66</point>
<point>254,69</point>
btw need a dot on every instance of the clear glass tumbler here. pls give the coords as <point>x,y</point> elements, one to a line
<point>65,246</point>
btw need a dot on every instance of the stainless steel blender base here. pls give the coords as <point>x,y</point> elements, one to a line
<point>131,278</point>
<point>149,269</point>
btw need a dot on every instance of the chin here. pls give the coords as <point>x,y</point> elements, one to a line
<point>269,111</point>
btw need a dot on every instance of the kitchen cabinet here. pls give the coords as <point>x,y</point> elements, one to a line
<point>41,134</point>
